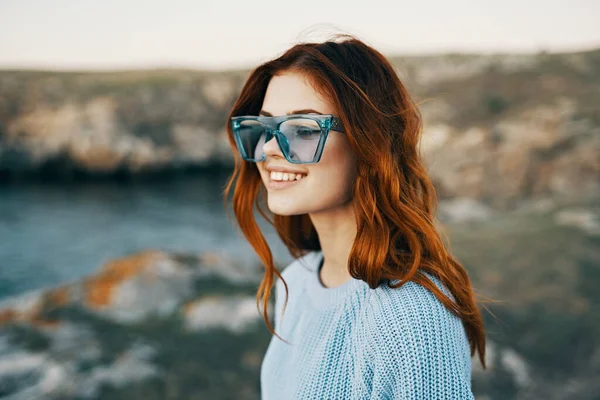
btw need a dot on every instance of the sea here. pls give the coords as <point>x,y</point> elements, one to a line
<point>52,233</point>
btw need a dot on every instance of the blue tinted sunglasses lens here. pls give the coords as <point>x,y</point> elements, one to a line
<point>298,138</point>
<point>251,134</point>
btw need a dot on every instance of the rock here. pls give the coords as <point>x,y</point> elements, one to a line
<point>581,218</point>
<point>133,288</point>
<point>235,313</point>
<point>142,319</point>
<point>462,210</point>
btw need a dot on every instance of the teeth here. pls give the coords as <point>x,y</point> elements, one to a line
<point>281,176</point>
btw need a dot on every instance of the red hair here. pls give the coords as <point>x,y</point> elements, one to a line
<point>393,197</point>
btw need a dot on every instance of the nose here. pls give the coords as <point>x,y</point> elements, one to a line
<point>271,148</point>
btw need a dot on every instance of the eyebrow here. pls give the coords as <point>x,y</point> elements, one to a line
<point>301,111</point>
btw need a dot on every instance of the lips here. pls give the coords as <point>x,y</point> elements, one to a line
<point>275,185</point>
<point>282,184</point>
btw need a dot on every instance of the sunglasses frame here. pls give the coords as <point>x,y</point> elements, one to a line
<point>326,122</point>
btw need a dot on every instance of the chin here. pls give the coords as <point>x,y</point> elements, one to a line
<point>285,206</point>
<point>284,211</point>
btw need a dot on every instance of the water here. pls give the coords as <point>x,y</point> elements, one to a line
<point>50,234</point>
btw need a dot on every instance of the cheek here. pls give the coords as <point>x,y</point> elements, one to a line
<point>339,159</point>
<point>336,175</point>
<point>261,172</point>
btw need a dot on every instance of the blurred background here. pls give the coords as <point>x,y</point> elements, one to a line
<point>121,276</point>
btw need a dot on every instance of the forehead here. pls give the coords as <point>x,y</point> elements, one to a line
<point>292,91</point>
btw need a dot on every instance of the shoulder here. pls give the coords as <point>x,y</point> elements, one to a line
<point>412,303</point>
<point>295,275</point>
<point>414,313</point>
<point>416,345</point>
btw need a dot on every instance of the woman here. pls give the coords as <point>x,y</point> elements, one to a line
<point>375,305</point>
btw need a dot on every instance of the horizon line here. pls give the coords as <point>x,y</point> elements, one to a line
<point>250,65</point>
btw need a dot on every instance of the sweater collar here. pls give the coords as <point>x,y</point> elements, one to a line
<point>323,296</point>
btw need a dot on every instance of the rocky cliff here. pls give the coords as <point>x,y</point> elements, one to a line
<point>498,128</point>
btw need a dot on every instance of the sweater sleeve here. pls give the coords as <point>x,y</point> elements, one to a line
<point>419,348</point>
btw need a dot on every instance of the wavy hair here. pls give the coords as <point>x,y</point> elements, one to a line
<point>393,197</point>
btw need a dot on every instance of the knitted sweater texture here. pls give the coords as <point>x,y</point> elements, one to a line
<point>354,342</point>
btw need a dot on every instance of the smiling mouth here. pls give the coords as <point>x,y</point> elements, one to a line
<point>277,176</point>
<point>276,180</point>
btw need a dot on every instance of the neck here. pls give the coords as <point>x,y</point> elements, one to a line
<point>336,230</point>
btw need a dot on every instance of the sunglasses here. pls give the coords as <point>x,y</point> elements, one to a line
<point>301,137</point>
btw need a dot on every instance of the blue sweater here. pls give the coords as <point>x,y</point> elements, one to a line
<point>354,342</point>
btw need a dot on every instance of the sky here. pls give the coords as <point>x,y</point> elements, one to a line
<point>211,34</point>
